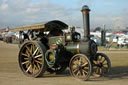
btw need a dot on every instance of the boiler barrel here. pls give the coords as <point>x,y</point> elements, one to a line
<point>80,47</point>
<point>87,48</point>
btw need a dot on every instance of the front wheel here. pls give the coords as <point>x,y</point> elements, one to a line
<point>80,67</point>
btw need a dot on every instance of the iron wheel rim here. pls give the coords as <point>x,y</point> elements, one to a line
<point>80,67</point>
<point>101,65</point>
<point>31,59</point>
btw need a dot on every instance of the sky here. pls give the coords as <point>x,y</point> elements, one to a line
<point>112,13</point>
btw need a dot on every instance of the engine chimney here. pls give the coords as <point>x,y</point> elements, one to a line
<point>86,25</point>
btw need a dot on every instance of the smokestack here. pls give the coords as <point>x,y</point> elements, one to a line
<point>86,25</point>
<point>103,36</point>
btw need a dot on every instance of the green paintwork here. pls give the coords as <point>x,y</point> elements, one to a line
<point>56,40</point>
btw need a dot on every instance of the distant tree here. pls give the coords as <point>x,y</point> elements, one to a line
<point>125,30</point>
<point>97,29</point>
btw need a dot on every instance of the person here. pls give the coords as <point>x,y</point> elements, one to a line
<point>25,36</point>
<point>74,33</point>
<point>117,41</point>
<point>55,32</point>
<point>32,34</point>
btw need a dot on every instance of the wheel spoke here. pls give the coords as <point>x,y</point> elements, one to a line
<point>38,62</point>
<point>83,74</point>
<point>75,70</point>
<point>38,51</point>
<point>95,62</point>
<point>76,62</point>
<point>27,65</point>
<point>28,68</point>
<point>78,73</point>
<point>24,54</point>
<point>97,70</point>
<point>35,51</point>
<point>84,64</point>
<point>104,69</point>
<point>33,69</point>
<point>100,70</point>
<point>38,66</point>
<point>26,58</point>
<point>74,66</point>
<point>40,59</point>
<point>28,49</point>
<point>33,47</point>
<point>25,62</point>
<point>27,53</point>
<point>80,60</point>
<point>38,56</point>
<point>86,67</point>
<point>103,61</point>
<point>85,71</point>
<point>105,64</point>
<point>100,58</point>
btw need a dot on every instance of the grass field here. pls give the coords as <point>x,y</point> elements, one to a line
<point>119,62</point>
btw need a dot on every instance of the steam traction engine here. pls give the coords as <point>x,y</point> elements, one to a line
<point>46,47</point>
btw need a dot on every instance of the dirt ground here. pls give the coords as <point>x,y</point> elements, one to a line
<point>10,73</point>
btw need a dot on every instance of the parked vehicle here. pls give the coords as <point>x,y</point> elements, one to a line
<point>96,39</point>
<point>1,38</point>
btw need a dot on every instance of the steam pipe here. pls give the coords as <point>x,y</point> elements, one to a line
<point>86,23</point>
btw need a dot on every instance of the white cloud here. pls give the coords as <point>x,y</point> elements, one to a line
<point>32,10</point>
<point>20,12</point>
<point>4,6</point>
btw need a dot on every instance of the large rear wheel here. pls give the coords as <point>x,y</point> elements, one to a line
<point>31,58</point>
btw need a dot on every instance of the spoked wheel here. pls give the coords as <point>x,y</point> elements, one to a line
<point>80,67</point>
<point>57,69</point>
<point>101,65</point>
<point>31,59</point>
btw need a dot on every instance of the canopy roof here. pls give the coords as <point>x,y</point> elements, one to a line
<point>45,26</point>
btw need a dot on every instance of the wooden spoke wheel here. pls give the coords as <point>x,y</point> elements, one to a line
<point>57,69</point>
<point>80,67</point>
<point>102,64</point>
<point>31,59</point>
